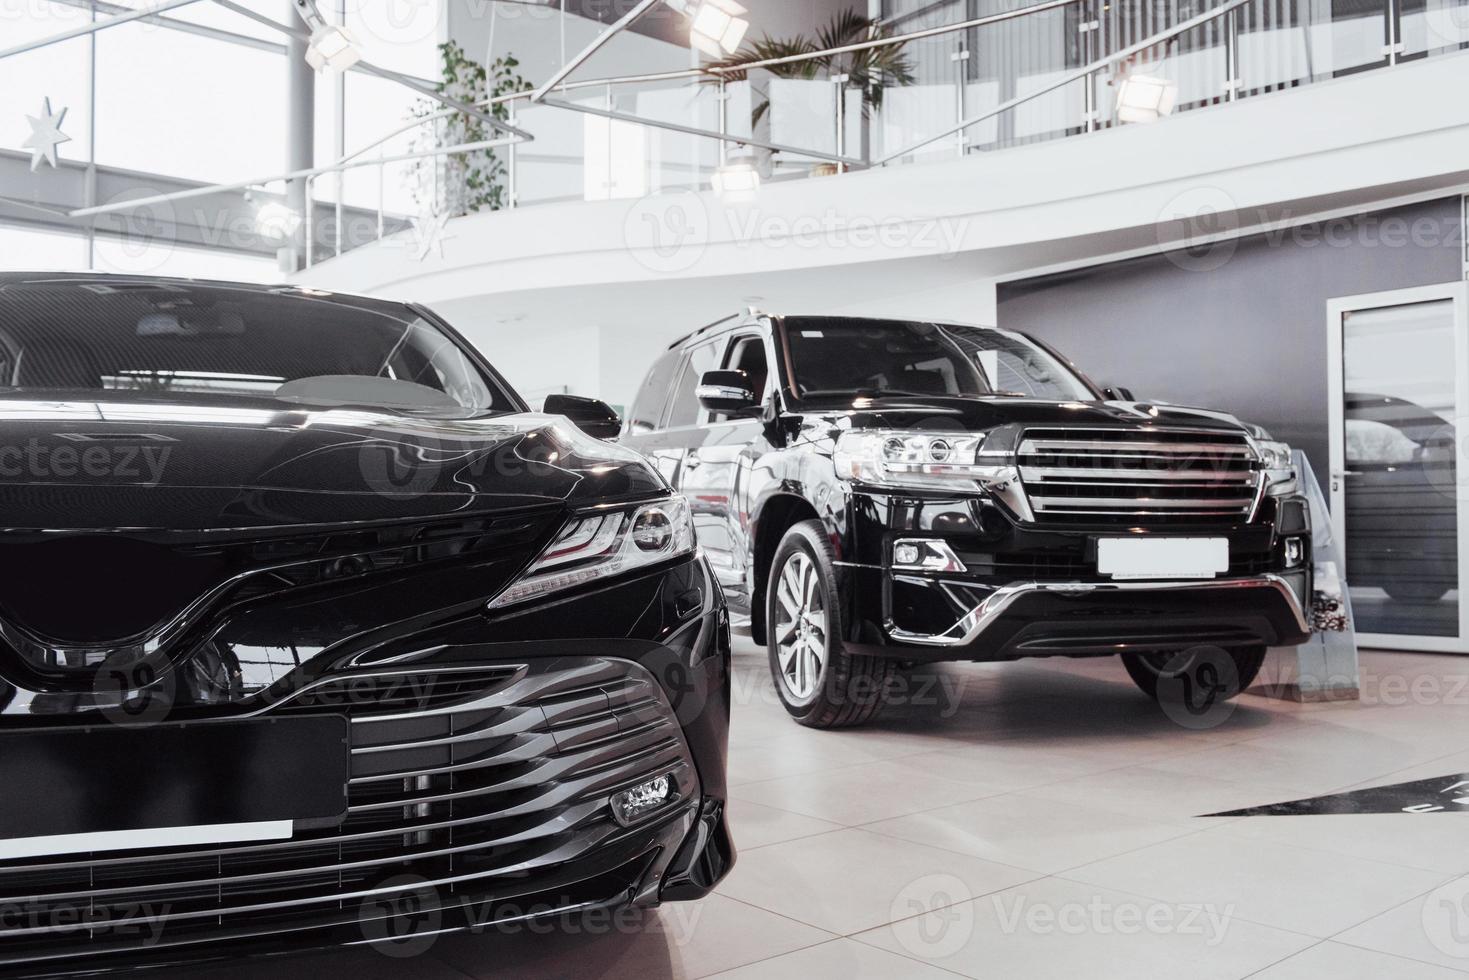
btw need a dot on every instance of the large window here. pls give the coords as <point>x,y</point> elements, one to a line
<point>58,72</point>
<point>203,105</point>
<point>229,129</point>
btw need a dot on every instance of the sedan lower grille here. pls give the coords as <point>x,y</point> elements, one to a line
<point>478,794</point>
<point>1139,476</point>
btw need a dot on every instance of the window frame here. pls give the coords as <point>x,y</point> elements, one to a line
<point>686,363</point>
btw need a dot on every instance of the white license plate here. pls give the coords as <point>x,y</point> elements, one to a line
<point>136,840</point>
<point>1162,558</point>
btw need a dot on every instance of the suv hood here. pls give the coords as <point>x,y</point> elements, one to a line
<point>128,463</point>
<point>978,412</point>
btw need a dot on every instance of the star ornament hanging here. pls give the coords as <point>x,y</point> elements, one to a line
<point>46,135</point>
<point>429,235</point>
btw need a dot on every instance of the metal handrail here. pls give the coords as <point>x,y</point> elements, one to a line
<point>1101,64</point>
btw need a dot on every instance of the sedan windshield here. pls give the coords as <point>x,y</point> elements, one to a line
<point>841,357</point>
<point>182,339</point>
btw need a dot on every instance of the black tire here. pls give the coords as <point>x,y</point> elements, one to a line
<point>847,690</point>
<point>1223,674</point>
<point>1416,591</point>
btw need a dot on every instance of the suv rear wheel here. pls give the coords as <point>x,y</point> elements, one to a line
<point>820,684</point>
<point>1200,674</point>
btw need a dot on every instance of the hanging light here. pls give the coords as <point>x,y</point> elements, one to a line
<point>276,221</point>
<point>738,180</point>
<point>1145,98</point>
<point>717,27</point>
<point>331,46</point>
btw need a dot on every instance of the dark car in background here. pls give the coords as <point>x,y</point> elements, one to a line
<point>310,633</point>
<point>1400,499</point>
<point>880,493</point>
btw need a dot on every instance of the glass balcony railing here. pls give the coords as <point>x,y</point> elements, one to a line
<point>982,76</point>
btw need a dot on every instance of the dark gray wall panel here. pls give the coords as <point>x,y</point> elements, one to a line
<point>1247,336</point>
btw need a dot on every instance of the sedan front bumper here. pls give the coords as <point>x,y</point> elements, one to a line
<point>485,755</point>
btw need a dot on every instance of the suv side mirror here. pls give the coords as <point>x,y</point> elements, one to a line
<point>1115,394</point>
<point>595,418</point>
<point>726,392</point>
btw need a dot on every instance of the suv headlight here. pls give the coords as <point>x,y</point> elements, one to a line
<point>1278,461</point>
<point>940,460</point>
<point>604,543</point>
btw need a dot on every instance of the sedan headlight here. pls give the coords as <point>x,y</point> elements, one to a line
<point>1278,461</point>
<point>910,459</point>
<point>602,544</point>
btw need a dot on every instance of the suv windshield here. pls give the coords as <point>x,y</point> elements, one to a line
<point>841,356</point>
<point>199,341</point>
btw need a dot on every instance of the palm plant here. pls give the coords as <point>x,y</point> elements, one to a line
<point>871,70</point>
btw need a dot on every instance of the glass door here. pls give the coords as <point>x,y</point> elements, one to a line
<point>1399,372</point>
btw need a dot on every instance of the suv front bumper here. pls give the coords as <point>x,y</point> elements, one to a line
<point>1074,618</point>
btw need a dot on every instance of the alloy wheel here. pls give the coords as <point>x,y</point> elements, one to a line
<point>800,625</point>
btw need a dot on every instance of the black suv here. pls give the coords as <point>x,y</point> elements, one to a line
<point>311,633</point>
<point>877,493</point>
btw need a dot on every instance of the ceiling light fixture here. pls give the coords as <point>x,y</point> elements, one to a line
<point>738,180</point>
<point>1143,98</point>
<point>331,47</point>
<point>717,27</point>
<point>276,221</point>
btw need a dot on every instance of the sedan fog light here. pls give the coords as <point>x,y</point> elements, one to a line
<point>1295,552</point>
<point>925,555</point>
<point>632,805</point>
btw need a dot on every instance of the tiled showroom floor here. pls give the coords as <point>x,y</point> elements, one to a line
<point>1047,825</point>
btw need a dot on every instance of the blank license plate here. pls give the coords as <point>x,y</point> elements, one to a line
<point>108,787</point>
<point>1162,558</point>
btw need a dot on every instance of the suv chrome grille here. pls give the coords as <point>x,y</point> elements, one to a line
<point>1082,475</point>
<point>483,795</point>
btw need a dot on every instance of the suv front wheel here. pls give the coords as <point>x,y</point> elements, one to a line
<point>820,684</point>
<point>1200,675</point>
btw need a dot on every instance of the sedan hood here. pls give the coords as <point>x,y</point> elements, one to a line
<point>126,463</point>
<point>979,413</point>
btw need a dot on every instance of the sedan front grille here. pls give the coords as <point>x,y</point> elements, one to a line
<point>1138,476</point>
<point>482,795</point>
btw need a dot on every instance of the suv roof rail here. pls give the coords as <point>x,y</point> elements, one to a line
<point>704,329</point>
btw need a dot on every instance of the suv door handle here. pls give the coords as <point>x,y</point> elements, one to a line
<point>692,460</point>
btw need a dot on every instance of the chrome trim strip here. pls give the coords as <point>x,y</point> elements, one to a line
<point>1223,505</point>
<point>983,616</point>
<point>1049,447</point>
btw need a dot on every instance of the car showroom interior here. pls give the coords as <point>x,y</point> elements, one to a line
<point>848,489</point>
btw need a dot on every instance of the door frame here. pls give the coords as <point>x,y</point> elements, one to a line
<point>1336,309</point>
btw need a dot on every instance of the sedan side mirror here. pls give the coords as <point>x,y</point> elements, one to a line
<point>595,418</point>
<point>727,392</point>
<point>1114,394</point>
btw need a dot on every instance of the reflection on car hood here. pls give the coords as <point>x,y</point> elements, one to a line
<point>976,413</point>
<point>105,463</point>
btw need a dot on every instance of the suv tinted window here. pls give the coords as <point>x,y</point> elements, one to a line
<point>686,410</point>
<point>842,356</point>
<point>648,406</point>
